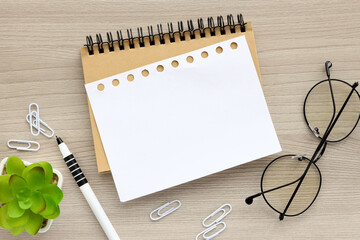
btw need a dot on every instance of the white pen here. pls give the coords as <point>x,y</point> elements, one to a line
<point>87,191</point>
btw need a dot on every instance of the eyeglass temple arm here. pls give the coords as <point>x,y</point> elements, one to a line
<point>323,140</point>
<point>328,65</point>
<point>249,200</point>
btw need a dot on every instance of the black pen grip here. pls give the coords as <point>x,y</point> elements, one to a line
<point>75,170</point>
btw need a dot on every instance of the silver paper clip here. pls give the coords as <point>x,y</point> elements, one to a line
<point>36,123</point>
<point>206,231</point>
<point>25,148</point>
<point>161,215</point>
<point>41,122</point>
<point>223,215</point>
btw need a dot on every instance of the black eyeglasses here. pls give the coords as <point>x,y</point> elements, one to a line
<point>291,183</point>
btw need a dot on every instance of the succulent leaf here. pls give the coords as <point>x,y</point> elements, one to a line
<point>26,203</point>
<point>5,190</point>
<point>21,191</point>
<point>35,177</point>
<point>30,167</point>
<point>15,165</point>
<point>51,206</point>
<point>20,221</point>
<point>55,215</point>
<point>38,202</point>
<point>48,171</point>
<point>17,230</point>
<point>17,183</point>
<point>14,210</point>
<point>3,215</point>
<point>54,191</point>
<point>34,223</point>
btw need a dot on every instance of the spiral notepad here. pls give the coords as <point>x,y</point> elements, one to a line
<point>182,118</point>
<point>108,55</point>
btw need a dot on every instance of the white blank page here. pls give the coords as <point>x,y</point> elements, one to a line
<point>185,122</point>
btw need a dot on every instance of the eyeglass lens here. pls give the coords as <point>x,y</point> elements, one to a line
<point>319,108</point>
<point>285,170</point>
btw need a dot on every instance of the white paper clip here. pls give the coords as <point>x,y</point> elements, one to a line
<point>161,215</point>
<point>223,215</point>
<point>25,148</point>
<point>36,123</point>
<point>41,122</point>
<point>206,231</point>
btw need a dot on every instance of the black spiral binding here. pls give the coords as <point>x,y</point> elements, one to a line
<point>120,42</point>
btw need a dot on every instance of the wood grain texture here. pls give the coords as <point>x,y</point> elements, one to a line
<point>40,62</point>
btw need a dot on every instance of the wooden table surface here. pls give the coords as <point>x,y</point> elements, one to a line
<point>40,62</point>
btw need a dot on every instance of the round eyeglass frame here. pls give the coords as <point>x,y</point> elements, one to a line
<point>304,107</point>
<point>262,189</point>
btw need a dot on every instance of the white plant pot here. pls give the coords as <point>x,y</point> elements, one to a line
<point>59,184</point>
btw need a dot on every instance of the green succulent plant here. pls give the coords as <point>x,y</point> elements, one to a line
<point>27,196</point>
